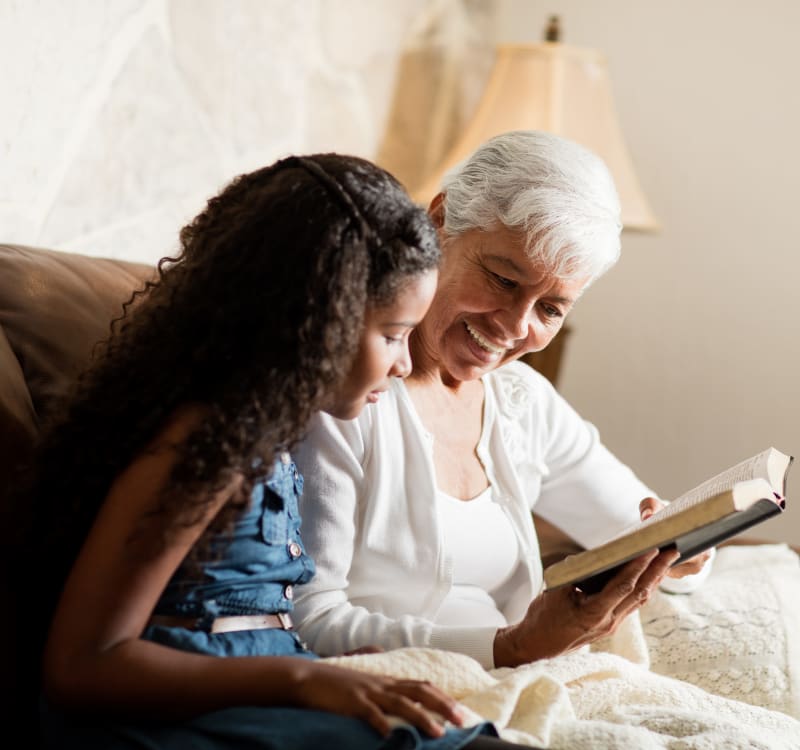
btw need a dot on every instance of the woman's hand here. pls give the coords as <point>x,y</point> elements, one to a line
<point>374,698</point>
<point>565,618</point>
<point>364,650</point>
<point>693,565</point>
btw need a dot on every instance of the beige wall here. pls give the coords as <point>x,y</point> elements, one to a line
<point>122,116</point>
<point>687,355</point>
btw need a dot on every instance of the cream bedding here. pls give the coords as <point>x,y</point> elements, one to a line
<point>719,668</point>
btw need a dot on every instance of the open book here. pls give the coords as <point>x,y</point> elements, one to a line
<point>721,507</point>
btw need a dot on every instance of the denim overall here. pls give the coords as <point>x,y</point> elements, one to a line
<point>262,561</point>
<point>266,544</point>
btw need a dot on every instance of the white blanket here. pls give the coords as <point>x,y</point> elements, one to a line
<point>612,696</point>
<point>739,635</point>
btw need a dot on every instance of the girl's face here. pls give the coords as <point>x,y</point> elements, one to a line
<point>383,351</point>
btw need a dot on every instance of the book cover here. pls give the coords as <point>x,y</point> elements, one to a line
<point>728,503</point>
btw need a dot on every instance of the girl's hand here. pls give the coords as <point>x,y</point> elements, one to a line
<point>374,698</point>
<point>565,618</point>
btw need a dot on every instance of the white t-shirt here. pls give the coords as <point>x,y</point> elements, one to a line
<point>480,540</point>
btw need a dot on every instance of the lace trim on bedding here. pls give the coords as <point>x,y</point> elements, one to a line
<point>730,636</point>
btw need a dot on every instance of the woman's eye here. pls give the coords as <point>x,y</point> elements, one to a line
<point>552,312</point>
<point>503,281</point>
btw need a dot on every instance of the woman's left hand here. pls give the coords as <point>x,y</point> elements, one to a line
<point>693,565</point>
<point>563,619</point>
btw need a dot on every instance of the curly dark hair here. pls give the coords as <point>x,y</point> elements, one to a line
<point>256,319</point>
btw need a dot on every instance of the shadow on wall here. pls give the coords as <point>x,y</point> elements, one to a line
<point>440,77</point>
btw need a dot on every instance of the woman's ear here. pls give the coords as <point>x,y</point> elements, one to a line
<point>436,210</point>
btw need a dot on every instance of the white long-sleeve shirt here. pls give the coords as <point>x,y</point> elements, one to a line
<point>370,521</point>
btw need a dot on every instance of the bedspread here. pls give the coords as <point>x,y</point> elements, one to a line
<point>733,683</point>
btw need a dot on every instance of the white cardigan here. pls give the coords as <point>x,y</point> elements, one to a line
<point>370,521</point>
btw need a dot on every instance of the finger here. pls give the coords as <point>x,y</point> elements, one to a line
<point>647,582</point>
<point>364,650</point>
<point>691,566</point>
<point>432,698</point>
<point>662,564</point>
<point>622,585</point>
<point>375,717</point>
<point>648,507</point>
<point>413,712</point>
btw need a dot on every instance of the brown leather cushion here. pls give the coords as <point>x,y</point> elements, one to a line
<point>54,307</point>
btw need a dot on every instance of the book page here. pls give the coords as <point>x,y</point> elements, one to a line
<point>755,466</point>
<point>747,469</point>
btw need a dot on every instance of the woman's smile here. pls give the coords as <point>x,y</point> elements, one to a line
<point>483,342</point>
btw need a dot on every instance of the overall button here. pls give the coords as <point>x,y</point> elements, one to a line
<point>288,592</point>
<point>294,549</point>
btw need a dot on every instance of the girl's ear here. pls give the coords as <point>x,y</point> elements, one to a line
<point>436,210</point>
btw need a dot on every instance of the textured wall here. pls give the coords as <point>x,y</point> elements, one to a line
<point>121,117</point>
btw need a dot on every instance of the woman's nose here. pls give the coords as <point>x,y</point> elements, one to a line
<point>517,320</point>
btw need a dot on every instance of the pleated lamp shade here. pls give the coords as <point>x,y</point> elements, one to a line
<point>560,89</point>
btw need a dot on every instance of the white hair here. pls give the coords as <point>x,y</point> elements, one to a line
<point>557,194</point>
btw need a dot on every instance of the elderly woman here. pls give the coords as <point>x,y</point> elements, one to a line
<point>418,513</point>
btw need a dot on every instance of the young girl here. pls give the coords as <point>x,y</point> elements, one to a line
<point>166,502</point>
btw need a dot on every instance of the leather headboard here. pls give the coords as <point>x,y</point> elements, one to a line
<point>54,307</point>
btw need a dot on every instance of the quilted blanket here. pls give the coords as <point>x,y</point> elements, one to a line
<point>715,669</point>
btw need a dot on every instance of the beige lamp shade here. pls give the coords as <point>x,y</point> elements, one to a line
<point>560,89</point>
